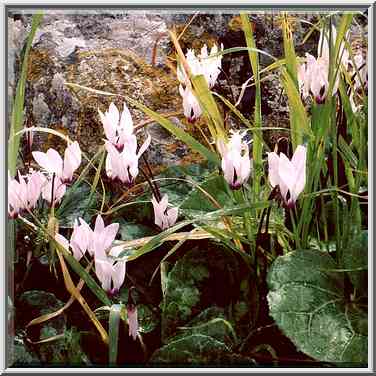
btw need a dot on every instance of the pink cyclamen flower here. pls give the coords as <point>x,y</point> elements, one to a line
<point>105,267</point>
<point>164,218</point>
<point>236,164</point>
<point>117,128</point>
<point>132,321</point>
<point>109,270</point>
<point>313,75</point>
<point>97,242</point>
<point>54,164</point>
<point>24,193</point>
<point>313,78</point>
<point>80,238</point>
<point>53,190</point>
<point>205,64</point>
<point>192,109</point>
<point>123,165</point>
<point>290,176</point>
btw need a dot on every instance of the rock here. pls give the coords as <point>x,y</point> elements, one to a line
<point>107,51</point>
<point>16,38</point>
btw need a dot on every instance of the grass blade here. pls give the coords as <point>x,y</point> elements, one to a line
<point>113,332</point>
<point>209,107</point>
<point>89,280</point>
<point>257,144</point>
<point>18,105</point>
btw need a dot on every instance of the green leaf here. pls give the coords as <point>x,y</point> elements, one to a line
<point>355,261</point>
<point>211,322</point>
<point>131,231</point>
<point>113,333</point>
<point>209,106</point>
<point>18,105</point>
<point>194,349</point>
<point>76,203</point>
<point>183,291</point>
<point>197,203</point>
<point>306,299</point>
<point>253,58</point>
<point>148,319</point>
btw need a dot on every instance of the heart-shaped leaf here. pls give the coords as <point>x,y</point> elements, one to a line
<point>306,300</point>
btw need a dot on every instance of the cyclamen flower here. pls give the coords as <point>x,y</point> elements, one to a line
<point>80,239</point>
<point>132,321</point>
<point>290,176</point>
<point>108,270</point>
<point>164,218</point>
<point>124,165</point>
<point>53,189</point>
<point>110,273</point>
<point>313,75</point>
<point>236,165</point>
<point>24,193</point>
<point>53,163</point>
<point>313,78</point>
<point>192,109</point>
<point>117,128</point>
<point>205,64</point>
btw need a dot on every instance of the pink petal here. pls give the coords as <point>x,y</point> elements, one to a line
<point>299,161</point>
<point>126,122</point>
<point>172,216</point>
<point>273,165</point>
<point>158,213</point>
<point>72,160</point>
<point>46,162</point>
<point>99,226</point>
<point>132,321</point>
<point>109,234</point>
<point>108,127</point>
<point>144,146</point>
<point>62,241</point>
<point>118,274</point>
<point>103,270</point>
<point>113,115</point>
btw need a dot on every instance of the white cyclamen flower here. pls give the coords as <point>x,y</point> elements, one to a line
<point>290,176</point>
<point>164,218</point>
<point>236,164</point>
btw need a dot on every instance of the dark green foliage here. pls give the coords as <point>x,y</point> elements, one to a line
<point>184,283</point>
<point>76,203</point>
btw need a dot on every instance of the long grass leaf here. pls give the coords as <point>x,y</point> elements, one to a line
<point>113,332</point>
<point>18,105</point>
<point>209,106</point>
<point>257,144</point>
<point>89,280</point>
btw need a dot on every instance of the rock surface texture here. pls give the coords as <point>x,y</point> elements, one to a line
<point>128,52</point>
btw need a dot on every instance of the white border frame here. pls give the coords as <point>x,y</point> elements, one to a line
<point>182,4</point>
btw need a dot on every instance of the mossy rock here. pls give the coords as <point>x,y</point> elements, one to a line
<point>121,72</point>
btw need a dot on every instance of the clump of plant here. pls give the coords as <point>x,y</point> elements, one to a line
<point>289,222</point>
